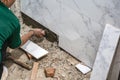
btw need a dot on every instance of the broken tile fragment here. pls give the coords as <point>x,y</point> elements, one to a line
<point>84,69</point>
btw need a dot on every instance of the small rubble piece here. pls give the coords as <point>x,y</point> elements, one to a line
<point>34,71</point>
<point>84,69</point>
<point>49,72</point>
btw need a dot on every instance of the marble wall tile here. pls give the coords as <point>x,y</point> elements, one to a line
<point>106,53</point>
<point>100,11</point>
<point>79,23</point>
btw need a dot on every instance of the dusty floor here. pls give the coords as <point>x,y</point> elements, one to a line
<point>60,60</point>
<point>57,58</point>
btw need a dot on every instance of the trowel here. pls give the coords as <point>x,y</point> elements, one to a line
<point>50,36</point>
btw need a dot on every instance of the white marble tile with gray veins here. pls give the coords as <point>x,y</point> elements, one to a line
<point>79,23</point>
<point>105,53</point>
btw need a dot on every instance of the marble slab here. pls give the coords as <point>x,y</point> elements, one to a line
<point>106,52</point>
<point>78,23</point>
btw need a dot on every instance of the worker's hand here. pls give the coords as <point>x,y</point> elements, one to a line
<point>38,32</point>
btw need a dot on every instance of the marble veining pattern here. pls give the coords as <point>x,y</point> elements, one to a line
<point>79,23</point>
<point>106,52</point>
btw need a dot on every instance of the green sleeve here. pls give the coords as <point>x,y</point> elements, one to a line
<point>15,39</point>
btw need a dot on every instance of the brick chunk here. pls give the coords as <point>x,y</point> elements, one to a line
<point>49,72</point>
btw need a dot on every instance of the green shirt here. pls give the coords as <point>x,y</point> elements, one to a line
<point>9,28</point>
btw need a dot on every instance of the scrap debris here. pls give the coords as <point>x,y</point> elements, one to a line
<point>34,71</point>
<point>84,69</point>
<point>49,72</point>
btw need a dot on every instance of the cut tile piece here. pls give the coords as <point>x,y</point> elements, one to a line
<point>105,53</point>
<point>34,49</point>
<point>84,69</point>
